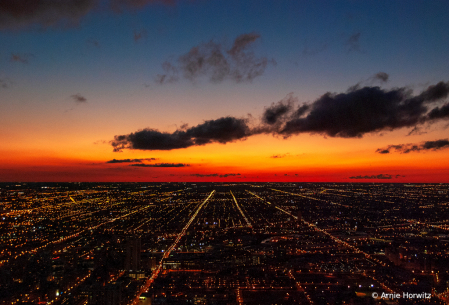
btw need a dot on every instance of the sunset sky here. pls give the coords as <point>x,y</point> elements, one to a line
<point>224,90</point>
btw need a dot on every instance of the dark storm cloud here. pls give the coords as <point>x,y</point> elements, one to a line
<point>347,115</point>
<point>223,130</point>
<point>212,61</point>
<point>131,160</point>
<point>424,146</point>
<point>23,58</point>
<point>380,176</point>
<point>436,92</point>
<point>78,98</point>
<point>300,111</point>
<point>369,109</point>
<point>439,112</point>
<point>160,165</point>
<point>16,14</point>
<point>215,175</point>
<point>276,112</point>
<point>353,42</point>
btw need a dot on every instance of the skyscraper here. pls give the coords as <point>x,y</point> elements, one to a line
<point>132,261</point>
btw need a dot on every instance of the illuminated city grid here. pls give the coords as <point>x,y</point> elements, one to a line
<point>218,243</point>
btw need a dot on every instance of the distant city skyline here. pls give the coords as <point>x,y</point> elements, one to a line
<point>323,91</point>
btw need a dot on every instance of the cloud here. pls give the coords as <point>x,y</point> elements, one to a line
<point>23,58</point>
<point>100,142</point>
<point>273,114</point>
<point>347,115</point>
<point>381,76</point>
<point>353,42</point>
<point>416,131</point>
<point>222,130</point>
<point>279,156</point>
<point>20,14</point>
<point>368,109</point>
<point>439,112</point>
<point>215,175</point>
<point>212,61</point>
<point>78,98</point>
<point>380,176</point>
<point>241,43</point>
<point>204,175</point>
<point>160,165</point>
<point>17,14</point>
<point>139,35</point>
<point>436,92</point>
<point>170,76</point>
<point>407,148</point>
<point>131,160</point>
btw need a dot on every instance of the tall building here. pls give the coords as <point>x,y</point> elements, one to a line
<point>132,261</point>
<point>113,294</point>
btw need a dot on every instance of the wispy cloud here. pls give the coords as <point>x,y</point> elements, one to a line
<point>23,58</point>
<point>138,35</point>
<point>78,98</point>
<point>407,148</point>
<point>160,165</point>
<point>279,156</point>
<point>353,43</point>
<point>381,76</point>
<point>140,160</point>
<point>215,175</point>
<point>212,61</point>
<point>380,176</point>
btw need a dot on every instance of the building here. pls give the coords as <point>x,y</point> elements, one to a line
<point>132,261</point>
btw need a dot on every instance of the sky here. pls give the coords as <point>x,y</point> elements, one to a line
<point>196,90</point>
